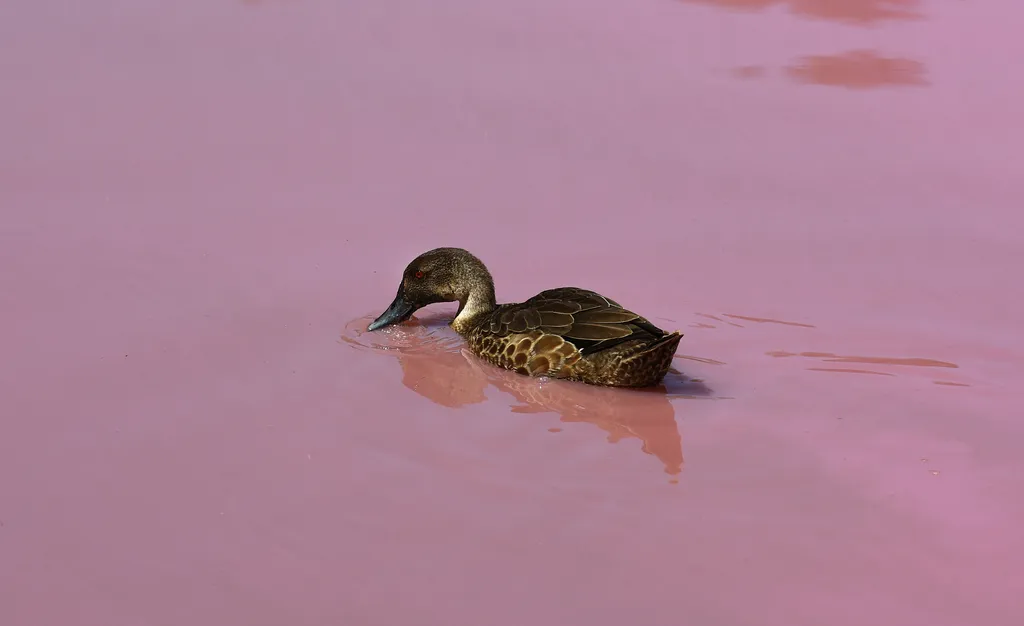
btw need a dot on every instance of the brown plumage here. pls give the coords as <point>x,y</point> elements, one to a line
<point>568,332</point>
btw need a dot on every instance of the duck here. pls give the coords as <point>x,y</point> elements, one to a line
<point>563,333</point>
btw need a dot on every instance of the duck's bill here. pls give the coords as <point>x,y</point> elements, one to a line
<point>398,312</point>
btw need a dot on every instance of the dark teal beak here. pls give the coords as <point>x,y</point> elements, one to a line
<point>399,311</point>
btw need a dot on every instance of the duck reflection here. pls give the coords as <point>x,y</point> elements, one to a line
<point>436,367</point>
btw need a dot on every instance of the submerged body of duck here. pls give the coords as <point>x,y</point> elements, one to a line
<point>568,333</point>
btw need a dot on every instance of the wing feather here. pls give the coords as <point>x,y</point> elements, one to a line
<point>588,320</point>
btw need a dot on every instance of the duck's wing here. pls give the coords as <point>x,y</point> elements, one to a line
<point>587,319</point>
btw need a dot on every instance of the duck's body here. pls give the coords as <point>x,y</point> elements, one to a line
<point>568,332</point>
<point>574,334</point>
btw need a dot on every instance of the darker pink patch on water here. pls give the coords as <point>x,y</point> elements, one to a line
<point>204,203</point>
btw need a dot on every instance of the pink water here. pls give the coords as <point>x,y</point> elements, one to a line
<point>204,203</point>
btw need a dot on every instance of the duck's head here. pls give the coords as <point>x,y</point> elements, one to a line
<point>440,275</point>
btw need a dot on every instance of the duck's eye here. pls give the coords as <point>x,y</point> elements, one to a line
<point>419,274</point>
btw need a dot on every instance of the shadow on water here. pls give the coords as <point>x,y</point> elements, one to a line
<point>855,69</point>
<point>436,365</point>
<point>858,69</point>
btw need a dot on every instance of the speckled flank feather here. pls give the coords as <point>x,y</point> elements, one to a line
<point>568,332</point>
<point>574,334</point>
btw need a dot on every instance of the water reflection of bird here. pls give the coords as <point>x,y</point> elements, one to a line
<point>437,368</point>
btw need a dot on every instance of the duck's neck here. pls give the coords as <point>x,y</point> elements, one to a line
<point>477,303</point>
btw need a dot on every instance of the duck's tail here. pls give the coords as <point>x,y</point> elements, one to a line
<point>668,342</point>
<point>649,364</point>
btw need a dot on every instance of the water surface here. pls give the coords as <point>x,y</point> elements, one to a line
<point>203,204</point>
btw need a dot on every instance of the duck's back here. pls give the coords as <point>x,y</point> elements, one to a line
<point>575,334</point>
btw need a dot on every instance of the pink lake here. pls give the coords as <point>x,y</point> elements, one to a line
<point>204,203</point>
